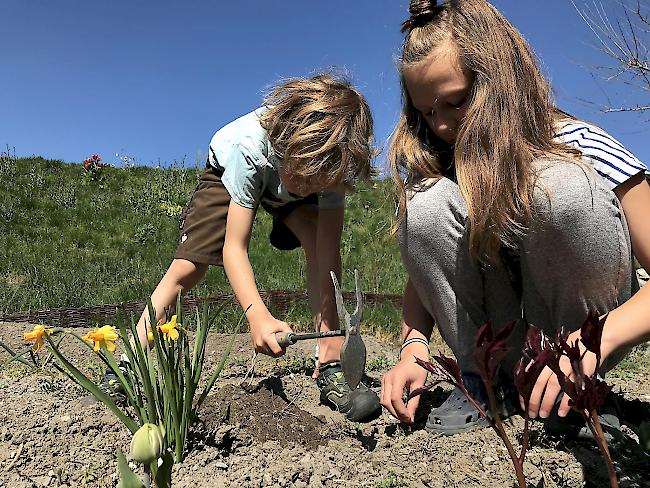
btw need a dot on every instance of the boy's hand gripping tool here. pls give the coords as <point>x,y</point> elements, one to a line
<point>353,351</point>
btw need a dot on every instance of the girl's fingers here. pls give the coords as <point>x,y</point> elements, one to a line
<point>391,398</point>
<point>397,401</point>
<point>386,388</point>
<point>564,408</point>
<point>413,403</point>
<point>538,392</point>
<point>550,395</point>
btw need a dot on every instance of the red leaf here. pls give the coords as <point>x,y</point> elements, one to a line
<point>450,366</point>
<point>491,349</point>
<point>419,391</point>
<point>591,397</point>
<point>591,332</point>
<point>431,368</point>
<point>526,373</point>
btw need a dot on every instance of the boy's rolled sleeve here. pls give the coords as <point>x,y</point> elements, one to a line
<point>241,176</point>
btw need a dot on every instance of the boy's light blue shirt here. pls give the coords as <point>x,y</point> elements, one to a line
<point>250,169</point>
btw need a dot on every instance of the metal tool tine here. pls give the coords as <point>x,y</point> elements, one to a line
<point>353,350</point>
<point>358,311</point>
<point>344,317</point>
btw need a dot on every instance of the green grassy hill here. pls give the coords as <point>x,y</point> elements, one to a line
<point>69,241</point>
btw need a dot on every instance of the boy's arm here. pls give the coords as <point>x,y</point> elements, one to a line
<point>328,248</point>
<point>263,325</point>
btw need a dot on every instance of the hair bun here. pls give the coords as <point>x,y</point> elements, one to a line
<point>422,11</point>
<point>422,7</point>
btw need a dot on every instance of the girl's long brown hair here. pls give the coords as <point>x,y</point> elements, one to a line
<point>509,121</point>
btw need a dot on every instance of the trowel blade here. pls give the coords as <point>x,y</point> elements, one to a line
<point>353,359</point>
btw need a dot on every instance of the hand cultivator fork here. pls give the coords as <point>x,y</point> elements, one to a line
<point>353,352</point>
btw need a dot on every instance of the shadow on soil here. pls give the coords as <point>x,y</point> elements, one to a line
<point>632,464</point>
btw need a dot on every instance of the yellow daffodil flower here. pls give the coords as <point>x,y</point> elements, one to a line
<point>38,336</point>
<point>103,338</point>
<point>169,329</point>
<point>150,336</point>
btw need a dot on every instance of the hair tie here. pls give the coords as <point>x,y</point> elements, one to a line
<point>422,12</point>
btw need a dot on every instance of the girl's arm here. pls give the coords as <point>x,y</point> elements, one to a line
<point>416,320</point>
<point>628,324</point>
<point>263,325</point>
<point>406,375</point>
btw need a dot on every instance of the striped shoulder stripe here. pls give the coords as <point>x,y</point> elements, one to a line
<point>609,178</point>
<point>593,134</point>
<point>606,155</point>
<point>610,159</point>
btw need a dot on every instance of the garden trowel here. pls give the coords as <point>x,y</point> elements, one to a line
<point>353,352</point>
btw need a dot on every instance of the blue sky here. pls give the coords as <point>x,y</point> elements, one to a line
<point>155,80</point>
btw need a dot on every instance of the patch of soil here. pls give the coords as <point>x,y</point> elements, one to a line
<point>261,414</point>
<point>276,433</point>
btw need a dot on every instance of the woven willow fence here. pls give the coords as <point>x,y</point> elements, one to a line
<point>280,301</point>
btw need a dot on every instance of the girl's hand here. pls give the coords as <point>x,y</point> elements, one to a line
<point>405,376</point>
<point>263,335</point>
<point>547,388</point>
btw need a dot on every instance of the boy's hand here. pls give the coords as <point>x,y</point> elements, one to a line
<point>263,335</point>
<point>405,376</point>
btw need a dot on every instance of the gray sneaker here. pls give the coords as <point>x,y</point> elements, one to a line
<point>457,414</point>
<point>111,386</point>
<point>357,405</point>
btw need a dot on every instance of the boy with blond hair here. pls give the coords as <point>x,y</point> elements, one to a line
<point>295,156</point>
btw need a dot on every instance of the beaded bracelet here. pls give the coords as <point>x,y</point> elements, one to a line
<point>413,340</point>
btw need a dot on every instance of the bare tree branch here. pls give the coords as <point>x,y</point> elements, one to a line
<point>625,41</point>
<point>627,109</point>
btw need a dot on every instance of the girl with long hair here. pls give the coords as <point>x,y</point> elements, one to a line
<point>509,208</point>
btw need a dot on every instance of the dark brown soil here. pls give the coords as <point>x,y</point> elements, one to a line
<point>260,414</point>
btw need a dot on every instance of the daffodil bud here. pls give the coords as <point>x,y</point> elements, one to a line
<point>146,444</point>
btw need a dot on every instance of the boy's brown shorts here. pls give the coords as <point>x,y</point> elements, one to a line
<point>203,221</point>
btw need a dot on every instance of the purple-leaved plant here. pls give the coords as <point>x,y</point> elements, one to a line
<point>586,391</point>
<point>489,352</point>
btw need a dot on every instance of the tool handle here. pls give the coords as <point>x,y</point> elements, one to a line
<point>285,339</point>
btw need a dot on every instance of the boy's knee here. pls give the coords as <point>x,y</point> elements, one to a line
<point>186,273</point>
